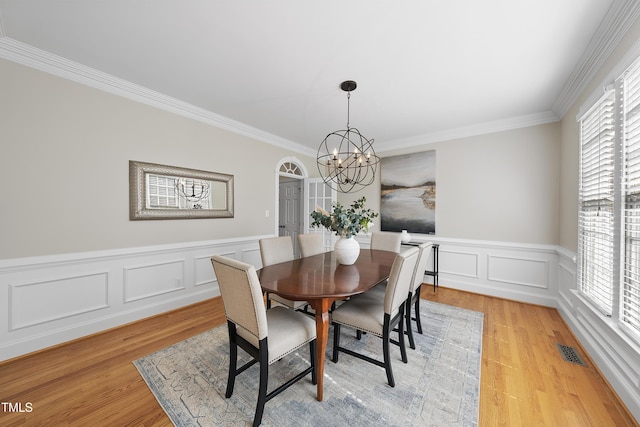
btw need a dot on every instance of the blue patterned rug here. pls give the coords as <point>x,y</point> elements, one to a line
<point>438,387</point>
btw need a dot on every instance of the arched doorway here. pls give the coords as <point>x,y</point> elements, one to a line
<point>290,199</point>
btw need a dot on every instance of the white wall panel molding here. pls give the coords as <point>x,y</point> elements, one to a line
<point>458,263</point>
<point>30,304</point>
<point>522,272</point>
<point>151,280</point>
<point>48,300</point>
<point>518,270</point>
<point>89,292</point>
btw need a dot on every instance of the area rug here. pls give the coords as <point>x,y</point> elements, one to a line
<point>438,387</point>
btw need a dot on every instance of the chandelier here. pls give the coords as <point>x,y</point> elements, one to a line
<point>192,190</point>
<point>346,159</point>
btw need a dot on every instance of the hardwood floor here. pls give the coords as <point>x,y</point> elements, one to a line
<point>524,380</point>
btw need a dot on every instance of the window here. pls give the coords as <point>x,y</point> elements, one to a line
<point>630,292</point>
<point>609,202</point>
<point>597,135</point>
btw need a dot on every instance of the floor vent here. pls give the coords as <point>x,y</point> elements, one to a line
<point>570,354</point>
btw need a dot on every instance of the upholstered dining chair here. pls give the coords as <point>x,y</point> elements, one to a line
<point>424,250</point>
<point>266,335</point>
<point>413,299</point>
<point>386,241</point>
<point>379,316</point>
<point>311,244</point>
<point>274,250</point>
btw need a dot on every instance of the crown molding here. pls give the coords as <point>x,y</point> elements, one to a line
<point>469,131</point>
<point>617,22</point>
<point>30,56</point>
<point>619,18</point>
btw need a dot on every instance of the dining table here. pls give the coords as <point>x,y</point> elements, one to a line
<point>320,280</point>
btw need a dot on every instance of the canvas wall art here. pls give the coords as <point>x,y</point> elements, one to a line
<point>408,193</point>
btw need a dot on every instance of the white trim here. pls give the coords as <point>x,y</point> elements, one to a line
<point>53,64</point>
<point>304,175</point>
<point>469,131</point>
<point>616,355</point>
<point>293,159</point>
<point>619,18</point>
<point>25,328</point>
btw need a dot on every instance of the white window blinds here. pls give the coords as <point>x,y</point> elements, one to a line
<point>161,192</point>
<point>596,198</point>
<point>630,292</point>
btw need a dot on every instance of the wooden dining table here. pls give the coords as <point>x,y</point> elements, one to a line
<point>321,281</point>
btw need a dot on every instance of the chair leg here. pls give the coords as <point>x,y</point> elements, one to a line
<point>336,342</point>
<point>403,348</point>
<point>312,358</point>
<point>358,334</point>
<point>233,359</point>
<point>386,340</point>
<point>268,301</point>
<point>264,377</point>
<point>407,317</point>
<point>417,311</point>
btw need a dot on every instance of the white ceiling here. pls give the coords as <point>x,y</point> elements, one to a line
<point>425,69</point>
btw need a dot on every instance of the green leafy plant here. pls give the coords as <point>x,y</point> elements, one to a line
<point>345,222</point>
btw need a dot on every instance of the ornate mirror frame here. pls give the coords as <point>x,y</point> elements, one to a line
<point>139,209</point>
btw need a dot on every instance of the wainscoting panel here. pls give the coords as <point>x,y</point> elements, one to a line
<point>48,300</point>
<point>203,270</point>
<point>519,271</point>
<point>45,301</point>
<point>458,263</point>
<point>33,303</point>
<point>514,271</point>
<point>152,280</point>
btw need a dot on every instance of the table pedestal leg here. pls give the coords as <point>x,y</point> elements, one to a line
<point>321,307</point>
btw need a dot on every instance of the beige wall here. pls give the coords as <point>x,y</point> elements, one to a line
<point>501,186</point>
<point>64,168</point>
<point>66,147</point>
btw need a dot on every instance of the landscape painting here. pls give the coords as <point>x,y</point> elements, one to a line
<point>408,193</point>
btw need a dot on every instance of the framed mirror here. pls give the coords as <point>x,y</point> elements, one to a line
<point>169,192</point>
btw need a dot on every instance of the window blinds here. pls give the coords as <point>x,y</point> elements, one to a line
<point>630,292</point>
<point>596,198</point>
<point>161,191</point>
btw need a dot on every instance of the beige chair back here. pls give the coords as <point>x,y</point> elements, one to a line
<point>423,259</point>
<point>274,250</point>
<point>310,244</point>
<point>386,241</point>
<point>400,280</point>
<point>241,296</point>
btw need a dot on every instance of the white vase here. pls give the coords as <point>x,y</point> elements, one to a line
<point>347,250</point>
<point>405,237</point>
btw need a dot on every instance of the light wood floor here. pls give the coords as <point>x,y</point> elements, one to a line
<point>524,380</point>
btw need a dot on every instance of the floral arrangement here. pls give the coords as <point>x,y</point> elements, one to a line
<point>345,222</point>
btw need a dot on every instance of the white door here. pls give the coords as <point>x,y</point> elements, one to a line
<point>318,194</point>
<point>290,207</point>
